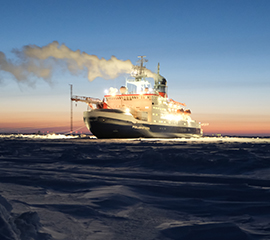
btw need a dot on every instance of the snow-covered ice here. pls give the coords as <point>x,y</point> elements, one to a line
<point>68,187</point>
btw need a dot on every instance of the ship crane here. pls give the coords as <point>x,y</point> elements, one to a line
<point>90,101</point>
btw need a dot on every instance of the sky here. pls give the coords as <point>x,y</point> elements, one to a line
<point>215,55</point>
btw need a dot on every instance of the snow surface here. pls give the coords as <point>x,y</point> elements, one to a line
<point>80,188</point>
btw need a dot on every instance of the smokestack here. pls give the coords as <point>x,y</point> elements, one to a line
<point>40,62</point>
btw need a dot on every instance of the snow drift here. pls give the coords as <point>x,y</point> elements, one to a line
<point>134,189</point>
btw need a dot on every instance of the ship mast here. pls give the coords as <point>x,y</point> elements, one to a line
<point>142,61</point>
<point>140,68</point>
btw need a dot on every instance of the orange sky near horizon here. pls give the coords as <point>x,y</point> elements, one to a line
<point>60,122</point>
<point>232,124</point>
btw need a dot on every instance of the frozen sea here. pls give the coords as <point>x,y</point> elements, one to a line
<point>73,188</point>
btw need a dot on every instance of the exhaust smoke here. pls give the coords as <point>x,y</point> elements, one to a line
<point>40,62</point>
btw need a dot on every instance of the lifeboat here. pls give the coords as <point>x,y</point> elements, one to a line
<point>187,112</point>
<point>176,103</point>
<point>181,111</point>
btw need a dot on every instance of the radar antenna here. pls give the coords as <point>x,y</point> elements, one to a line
<point>138,71</point>
<point>141,61</point>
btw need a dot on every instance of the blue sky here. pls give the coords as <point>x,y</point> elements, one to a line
<point>214,54</point>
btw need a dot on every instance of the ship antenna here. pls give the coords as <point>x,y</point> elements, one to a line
<point>142,61</point>
<point>71,110</point>
<point>141,67</point>
<point>157,77</point>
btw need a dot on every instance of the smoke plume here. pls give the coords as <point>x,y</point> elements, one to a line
<point>40,62</point>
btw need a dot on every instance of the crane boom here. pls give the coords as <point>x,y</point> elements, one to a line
<point>90,101</point>
<point>86,99</point>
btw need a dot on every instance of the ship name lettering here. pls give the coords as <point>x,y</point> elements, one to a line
<point>140,127</point>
